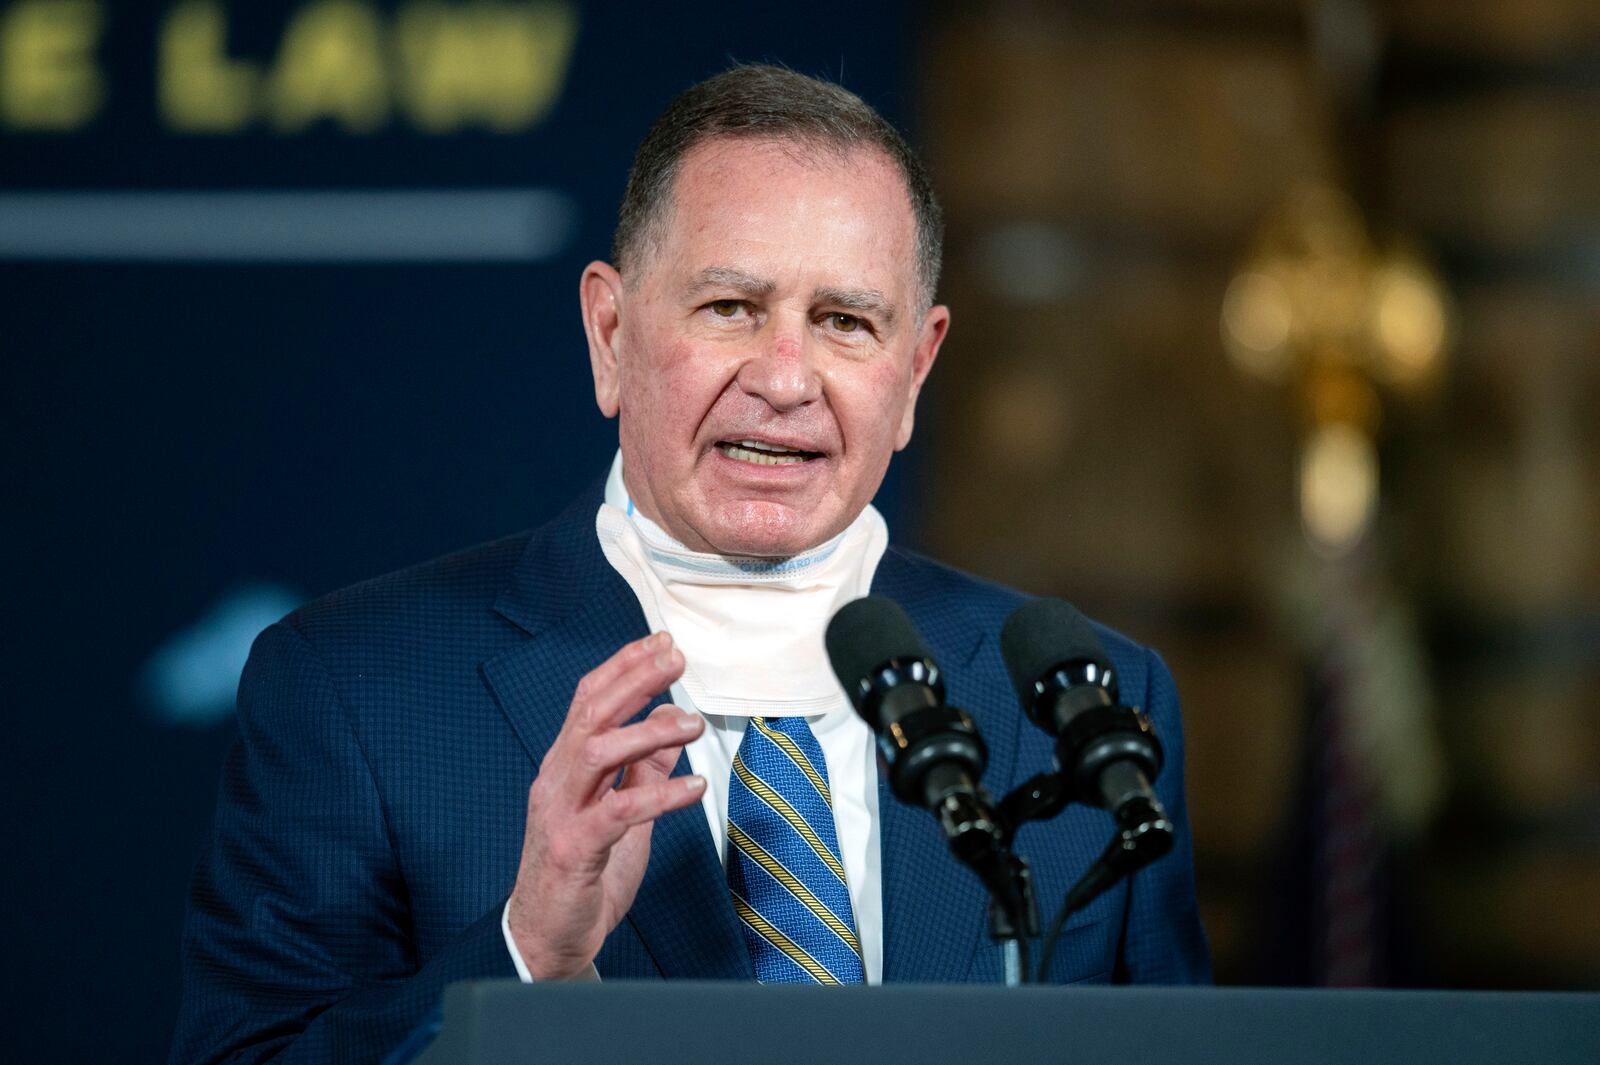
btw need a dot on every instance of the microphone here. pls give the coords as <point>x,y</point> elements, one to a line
<point>931,750</point>
<point>1106,753</point>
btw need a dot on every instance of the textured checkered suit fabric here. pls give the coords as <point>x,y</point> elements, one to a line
<point>784,867</point>
<point>369,820</point>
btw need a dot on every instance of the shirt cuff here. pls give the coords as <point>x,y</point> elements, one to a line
<point>588,975</point>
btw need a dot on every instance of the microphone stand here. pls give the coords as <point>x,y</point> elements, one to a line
<point>980,840</point>
<point>980,835</point>
<point>1143,835</point>
<point>1014,918</point>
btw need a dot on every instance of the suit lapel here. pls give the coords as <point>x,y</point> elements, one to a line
<point>577,612</point>
<point>935,911</point>
<point>683,911</point>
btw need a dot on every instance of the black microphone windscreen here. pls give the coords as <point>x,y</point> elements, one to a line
<point>1042,635</point>
<point>865,634</point>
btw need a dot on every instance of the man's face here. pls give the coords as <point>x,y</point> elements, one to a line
<point>766,356</point>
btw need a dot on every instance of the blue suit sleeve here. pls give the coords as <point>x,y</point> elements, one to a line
<point>296,943</point>
<point>1163,941</point>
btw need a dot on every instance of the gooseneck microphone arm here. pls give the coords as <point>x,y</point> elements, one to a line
<point>933,757</point>
<point>1106,753</point>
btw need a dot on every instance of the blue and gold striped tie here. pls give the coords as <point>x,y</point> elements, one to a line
<point>784,868</point>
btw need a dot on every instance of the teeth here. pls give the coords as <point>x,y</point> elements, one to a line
<point>759,446</point>
<point>761,458</point>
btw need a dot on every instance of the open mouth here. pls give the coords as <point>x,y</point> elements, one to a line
<point>764,454</point>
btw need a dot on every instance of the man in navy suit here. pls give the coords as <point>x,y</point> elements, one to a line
<point>762,338</point>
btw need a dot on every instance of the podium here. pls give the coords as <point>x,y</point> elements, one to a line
<point>687,1023</point>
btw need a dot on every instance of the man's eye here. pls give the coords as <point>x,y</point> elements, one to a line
<point>725,308</point>
<point>845,323</point>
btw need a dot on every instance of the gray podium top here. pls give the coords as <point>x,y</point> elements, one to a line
<point>679,1023</point>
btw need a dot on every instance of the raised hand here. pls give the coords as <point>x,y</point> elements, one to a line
<point>587,839</point>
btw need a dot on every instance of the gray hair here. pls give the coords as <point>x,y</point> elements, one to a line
<point>761,102</point>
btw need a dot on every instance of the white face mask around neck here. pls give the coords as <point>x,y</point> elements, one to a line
<point>750,629</point>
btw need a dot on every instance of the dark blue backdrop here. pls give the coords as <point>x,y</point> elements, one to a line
<point>193,446</point>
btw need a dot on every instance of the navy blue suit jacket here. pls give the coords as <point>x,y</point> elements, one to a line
<point>370,819</point>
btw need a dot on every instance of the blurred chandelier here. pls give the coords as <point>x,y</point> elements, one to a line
<point>1318,306</point>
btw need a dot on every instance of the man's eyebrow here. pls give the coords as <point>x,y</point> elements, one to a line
<point>730,277</point>
<point>866,300</point>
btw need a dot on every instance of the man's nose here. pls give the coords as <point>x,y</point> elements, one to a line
<point>783,369</point>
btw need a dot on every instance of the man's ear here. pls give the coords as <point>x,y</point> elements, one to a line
<point>935,324</point>
<point>600,296</point>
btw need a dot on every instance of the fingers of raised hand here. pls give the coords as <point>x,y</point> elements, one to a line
<point>661,761</point>
<point>646,752</point>
<point>663,734</point>
<point>621,685</point>
<point>638,801</point>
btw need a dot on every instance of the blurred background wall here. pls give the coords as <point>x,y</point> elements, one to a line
<point>1274,346</point>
